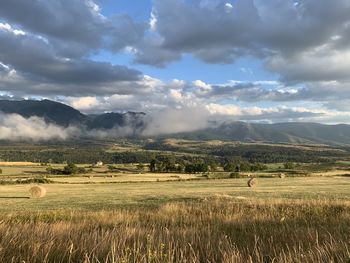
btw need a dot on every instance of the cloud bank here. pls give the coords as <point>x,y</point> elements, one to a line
<point>14,127</point>
<point>76,55</point>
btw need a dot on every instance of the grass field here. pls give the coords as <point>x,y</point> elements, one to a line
<point>217,229</point>
<point>150,217</point>
<point>98,194</point>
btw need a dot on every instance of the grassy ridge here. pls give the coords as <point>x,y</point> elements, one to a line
<point>217,229</point>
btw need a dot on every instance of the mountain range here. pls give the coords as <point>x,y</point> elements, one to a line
<point>296,132</point>
<point>292,132</point>
<point>64,115</point>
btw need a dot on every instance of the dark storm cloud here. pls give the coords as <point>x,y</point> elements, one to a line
<point>37,61</point>
<point>46,44</point>
<point>251,92</point>
<point>124,32</point>
<point>332,94</point>
<point>73,27</point>
<point>255,92</point>
<point>294,38</point>
<point>283,114</point>
<point>45,48</point>
<point>150,51</point>
<point>69,20</point>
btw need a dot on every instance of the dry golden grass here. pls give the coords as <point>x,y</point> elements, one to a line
<point>218,229</point>
<point>19,164</point>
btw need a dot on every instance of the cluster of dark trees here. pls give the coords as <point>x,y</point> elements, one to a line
<point>169,164</point>
<point>76,155</point>
<point>69,169</point>
<point>255,153</point>
<point>166,164</point>
<point>244,166</point>
<point>88,155</point>
<point>249,153</point>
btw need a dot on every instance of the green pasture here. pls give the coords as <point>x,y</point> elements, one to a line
<point>107,195</point>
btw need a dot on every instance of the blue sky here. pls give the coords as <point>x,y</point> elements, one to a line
<point>139,10</point>
<point>250,60</point>
<point>188,68</point>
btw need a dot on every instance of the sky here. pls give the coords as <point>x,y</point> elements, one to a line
<point>185,61</point>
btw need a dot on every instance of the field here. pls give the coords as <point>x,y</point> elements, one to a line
<point>81,219</point>
<point>104,194</point>
<point>125,213</point>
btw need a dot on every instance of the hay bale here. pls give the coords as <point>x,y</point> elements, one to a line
<point>252,182</point>
<point>37,192</point>
<point>282,176</point>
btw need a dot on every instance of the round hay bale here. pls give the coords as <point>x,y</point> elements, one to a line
<point>37,192</point>
<point>252,182</point>
<point>282,176</point>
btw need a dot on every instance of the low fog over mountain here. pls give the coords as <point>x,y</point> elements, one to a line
<point>46,120</point>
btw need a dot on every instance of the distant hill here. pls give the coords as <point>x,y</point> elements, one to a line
<point>111,120</point>
<point>64,115</point>
<point>294,132</point>
<point>51,111</point>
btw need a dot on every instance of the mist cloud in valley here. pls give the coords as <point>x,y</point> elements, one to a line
<point>171,120</point>
<point>14,127</point>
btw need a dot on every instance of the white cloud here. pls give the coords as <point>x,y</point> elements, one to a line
<point>14,127</point>
<point>7,27</point>
<point>228,7</point>
<point>83,103</point>
<point>153,22</point>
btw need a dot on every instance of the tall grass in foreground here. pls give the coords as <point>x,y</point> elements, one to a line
<point>215,230</point>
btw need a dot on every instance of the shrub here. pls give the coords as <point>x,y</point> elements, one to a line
<point>141,166</point>
<point>230,167</point>
<point>69,169</point>
<point>289,165</point>
<point>111,168</point>
<point>235,175</point>
<point>196,168</point>
<point>51,170</point>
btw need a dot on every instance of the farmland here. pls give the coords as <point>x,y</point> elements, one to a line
<point>125,213</point>
<point>109,193</point>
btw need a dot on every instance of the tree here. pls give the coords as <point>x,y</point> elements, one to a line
<point>169,164</point>
<point>244,167</point>
<point>213,165</point>
<point>230,167</point>
<point>180,168</point>
<point>258,167</point>
<point>289,165</point>
<point>196,168</point>
<point>152,166</point>
<point>71,168</point>
<point>140,166</point>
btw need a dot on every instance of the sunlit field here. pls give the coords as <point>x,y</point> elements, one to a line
<point>110,193</point>
<point>132,215</point>
<point>216,229</point>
